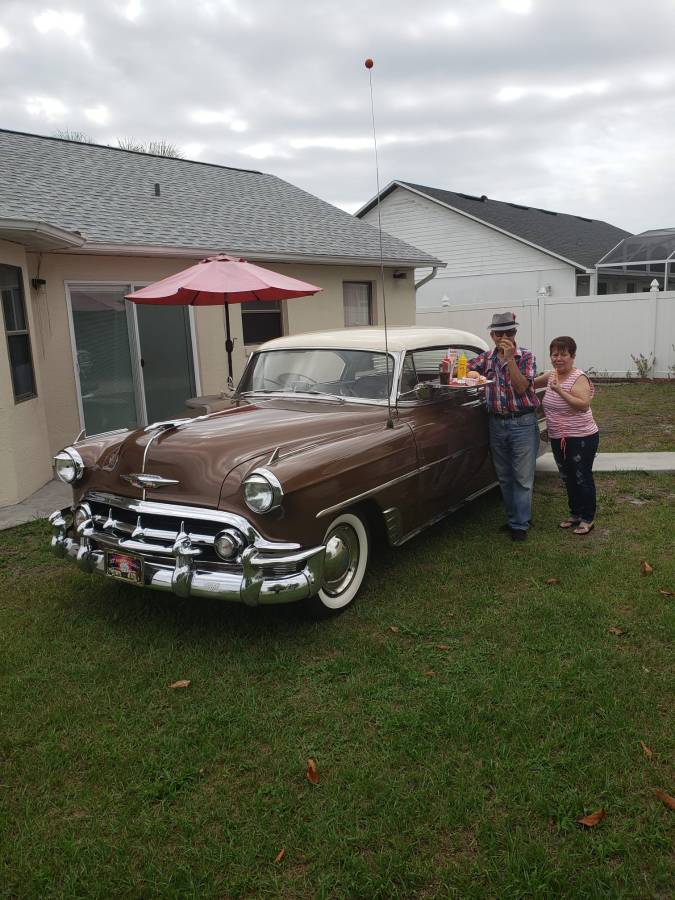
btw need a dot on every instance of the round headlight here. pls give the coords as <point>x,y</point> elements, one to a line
<point>68,465</point>
<point>262,491</point>
<point>229,543</point>
<point>258,493</point>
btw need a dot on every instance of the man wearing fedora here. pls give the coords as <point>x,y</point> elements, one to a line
<point>511,404</point>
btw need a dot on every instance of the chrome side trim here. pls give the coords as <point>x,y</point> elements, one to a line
<point>357,498</point>
<point>443,515</point>
<point>329,510</point>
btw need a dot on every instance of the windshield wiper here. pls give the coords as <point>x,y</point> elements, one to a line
<point>321,394</point>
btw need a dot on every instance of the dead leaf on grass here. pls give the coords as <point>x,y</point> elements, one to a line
<point>429,674</point>
<point>666,799</point>
<point>645,568</point>
<point>552,581</point>
<point>442,647</point>
<point>665,593</point>
<point>394,629</point>
<point>593,819</point>
<point>280,855</point>
<point>646,750</point>
<point>614,630</point>
<point>182,683</point>
<point>312,771</point>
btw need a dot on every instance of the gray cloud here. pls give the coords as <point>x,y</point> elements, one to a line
<point>567,107</point>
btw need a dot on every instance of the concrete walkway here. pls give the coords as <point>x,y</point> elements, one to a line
<point>619,462</point>
<point>56,495</point>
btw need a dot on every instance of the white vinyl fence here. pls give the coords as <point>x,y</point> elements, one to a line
<point>609,330</point>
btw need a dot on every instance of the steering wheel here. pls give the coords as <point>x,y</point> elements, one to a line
<point>298,375</point>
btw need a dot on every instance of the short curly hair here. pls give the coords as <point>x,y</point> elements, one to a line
<point>564,342</point>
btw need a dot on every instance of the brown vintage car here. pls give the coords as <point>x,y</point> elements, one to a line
<point>276,498</point>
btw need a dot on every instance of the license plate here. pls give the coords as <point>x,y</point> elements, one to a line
<point>124,566</point>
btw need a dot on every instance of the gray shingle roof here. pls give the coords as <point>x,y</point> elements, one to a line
<point>577,239</point>
<point>109,196</point>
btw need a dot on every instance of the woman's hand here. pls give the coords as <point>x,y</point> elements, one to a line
<point>554,384</point>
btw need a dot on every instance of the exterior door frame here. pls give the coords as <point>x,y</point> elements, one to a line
<point>134,344</point>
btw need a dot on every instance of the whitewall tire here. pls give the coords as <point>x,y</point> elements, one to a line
<point>347,551</point>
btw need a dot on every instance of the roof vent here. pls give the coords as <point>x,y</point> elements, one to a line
<point>483,198</point>
<point>517,206</point>
<point>157,191</point>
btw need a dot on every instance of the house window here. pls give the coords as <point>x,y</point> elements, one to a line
<point>261,321</point>
<point>358,304</point>
<point>602,287</point>
<point>630,287</point>
<point>16,328</point>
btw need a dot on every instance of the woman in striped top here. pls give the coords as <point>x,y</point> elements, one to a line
<point>572,430</point>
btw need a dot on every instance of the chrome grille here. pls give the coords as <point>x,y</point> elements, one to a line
<point>119,525</point>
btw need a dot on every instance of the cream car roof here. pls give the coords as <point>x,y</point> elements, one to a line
<point>399,338</point>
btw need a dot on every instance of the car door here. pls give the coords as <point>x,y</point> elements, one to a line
<point>450,430</point>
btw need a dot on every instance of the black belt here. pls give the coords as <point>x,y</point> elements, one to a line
<point>512,415</point>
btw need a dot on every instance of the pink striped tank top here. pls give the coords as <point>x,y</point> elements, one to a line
<point>562,420</point>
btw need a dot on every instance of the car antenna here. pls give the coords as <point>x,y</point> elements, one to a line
<point>369,65</point>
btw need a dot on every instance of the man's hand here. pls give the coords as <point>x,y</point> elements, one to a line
<point>506,348</point>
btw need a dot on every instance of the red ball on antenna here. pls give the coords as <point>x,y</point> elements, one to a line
<point>369,63</point>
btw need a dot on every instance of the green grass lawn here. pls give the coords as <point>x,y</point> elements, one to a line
<point>463,714</point>
<point>635,417</point>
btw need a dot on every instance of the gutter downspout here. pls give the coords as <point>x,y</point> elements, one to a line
<point>432,274</point>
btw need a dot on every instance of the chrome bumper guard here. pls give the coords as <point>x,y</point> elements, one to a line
<point>253,583</point>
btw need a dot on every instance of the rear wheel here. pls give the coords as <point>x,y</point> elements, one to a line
<point>347,550</point>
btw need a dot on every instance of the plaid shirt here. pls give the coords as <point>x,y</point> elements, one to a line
<point>500,396</point>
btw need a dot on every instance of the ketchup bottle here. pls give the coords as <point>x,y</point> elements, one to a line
<point>444,371</point>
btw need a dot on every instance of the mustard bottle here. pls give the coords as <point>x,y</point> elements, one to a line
<point>461,366</point>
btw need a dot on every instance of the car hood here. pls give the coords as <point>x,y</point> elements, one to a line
<point>201,452</point>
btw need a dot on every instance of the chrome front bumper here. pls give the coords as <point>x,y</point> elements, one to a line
<point>253,582</point>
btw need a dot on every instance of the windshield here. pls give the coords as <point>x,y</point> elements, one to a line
<point>361,374</point>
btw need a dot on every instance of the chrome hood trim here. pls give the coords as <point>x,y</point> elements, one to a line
<point>143,481</point>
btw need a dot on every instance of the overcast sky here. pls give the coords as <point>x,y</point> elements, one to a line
<point>562,104</point>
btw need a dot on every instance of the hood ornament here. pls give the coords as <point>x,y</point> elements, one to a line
<point>152,482</point>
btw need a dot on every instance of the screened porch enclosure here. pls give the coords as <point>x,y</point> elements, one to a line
<point>638,260</point>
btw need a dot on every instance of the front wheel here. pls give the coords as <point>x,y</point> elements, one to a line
<point>347,550</point>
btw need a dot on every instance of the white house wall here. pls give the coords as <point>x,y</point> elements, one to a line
<point>24,463</point>
<point>31,431</point>
<point>482,264</point>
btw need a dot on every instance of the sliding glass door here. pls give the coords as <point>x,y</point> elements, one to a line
<point>102,334</point>
<point>134,364</point>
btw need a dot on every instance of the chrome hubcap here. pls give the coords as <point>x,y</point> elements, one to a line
<point>342,559</point>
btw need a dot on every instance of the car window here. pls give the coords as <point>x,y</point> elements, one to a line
<point>360,374</point>
<point>423,365</point>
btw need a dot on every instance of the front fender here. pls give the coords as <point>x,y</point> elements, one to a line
<point>334,474</point>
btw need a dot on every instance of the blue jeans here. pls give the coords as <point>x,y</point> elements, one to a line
<point>514,444</point>
<point>575,464</point>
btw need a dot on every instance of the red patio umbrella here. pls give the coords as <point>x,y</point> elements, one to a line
<point>219,281</point>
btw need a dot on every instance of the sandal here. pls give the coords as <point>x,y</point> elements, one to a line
<point>584,528</point>
<point>570,522</point>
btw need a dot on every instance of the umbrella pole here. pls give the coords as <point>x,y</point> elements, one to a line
<point>229,346</point>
